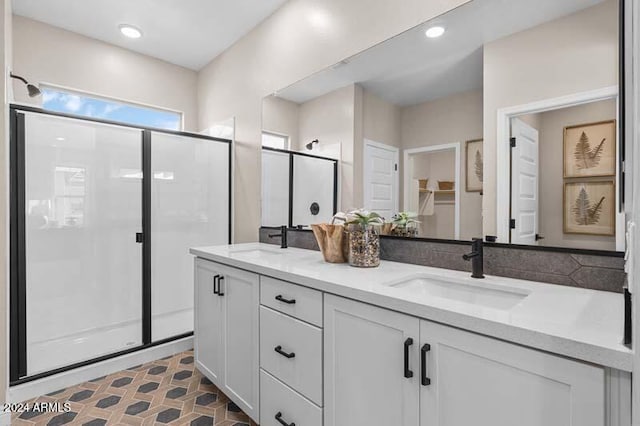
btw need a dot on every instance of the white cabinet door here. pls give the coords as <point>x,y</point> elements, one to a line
<point>208,323</point>
<point>365,378</point>
<point>239,292</point>
<point>480,381</point>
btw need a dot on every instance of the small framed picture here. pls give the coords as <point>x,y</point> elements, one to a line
<point>589,208</point>
<point>474,162</point>
<point>590,150</point>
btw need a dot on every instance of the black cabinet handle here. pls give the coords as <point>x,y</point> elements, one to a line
<point>220,293</point>
<point>279,298</point>
<point>215,284</point>
<point>426,381</point>
<point>282,422</point>
<point>407,372</point>
<point>283,353</point>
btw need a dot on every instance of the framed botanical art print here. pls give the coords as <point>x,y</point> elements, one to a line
<point>474,164</point>
<point>589,208</point>
<point>590,150</point>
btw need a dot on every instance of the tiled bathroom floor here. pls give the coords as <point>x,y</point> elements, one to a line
<point>168,391</point>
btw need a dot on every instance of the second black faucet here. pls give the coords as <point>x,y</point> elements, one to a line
<point>476,258</point>
<point>282,235</point>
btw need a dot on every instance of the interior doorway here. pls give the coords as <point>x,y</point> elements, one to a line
<point>432,189</point>
<point>380,178</point>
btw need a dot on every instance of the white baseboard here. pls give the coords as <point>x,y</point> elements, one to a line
<point>5,419</point>
<point>53,383</point>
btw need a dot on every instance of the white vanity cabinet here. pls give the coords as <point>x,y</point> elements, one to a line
<point>290,354</point>
<point>383,367</point>
<point>365,382</point>
<point>226,331</point>
<point>477,380</point>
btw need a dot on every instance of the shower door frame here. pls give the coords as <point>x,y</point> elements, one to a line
<point>291,155</point>
<point>17,252</point>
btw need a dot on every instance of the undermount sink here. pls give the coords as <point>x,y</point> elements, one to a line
<point>484,294</point>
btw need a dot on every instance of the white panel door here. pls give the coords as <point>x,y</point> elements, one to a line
<point>364,357</point>
<point>476,380</point>
<point>380,181</point>
<point>189,208</point>
<point>524,183</point>
<point>313,190</point>
<point>208,331</point>
<point>240,295</point>
<point>275,188</point>
<point>83,267</point>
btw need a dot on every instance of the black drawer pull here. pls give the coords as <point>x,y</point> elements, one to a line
<point>282,422</point>
<point>215,284</point>
<point>279,298</point>
<point>407,372</point>
<point>283,353</point>
<point>426,381</point>
<point>220,293</point>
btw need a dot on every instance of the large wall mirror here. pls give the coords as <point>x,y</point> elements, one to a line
<point>497,119</point>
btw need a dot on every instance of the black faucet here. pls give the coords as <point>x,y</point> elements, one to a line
<point>282,235</point>
<point>477,261</point>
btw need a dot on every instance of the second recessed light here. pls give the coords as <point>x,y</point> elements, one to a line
<point>434,32</point>
<point>130,31</point>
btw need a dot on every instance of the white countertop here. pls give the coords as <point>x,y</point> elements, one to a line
<point>578,323</point>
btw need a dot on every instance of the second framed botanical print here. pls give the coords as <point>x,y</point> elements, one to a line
<point>589,208</point>
<point>590,150</point>
<point>474,165</point>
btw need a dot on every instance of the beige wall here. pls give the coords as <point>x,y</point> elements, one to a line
<point>268,59</point>
<point>570,55</point>
<point>281,116</point>
<point>456,118</point>
<point>550,127</point>
<point>5,90</point>
<point>380,119</point>
<point>330,119</point>
<point>46,54</point>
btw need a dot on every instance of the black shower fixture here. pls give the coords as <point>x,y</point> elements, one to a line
<point>31,88</point>
<point>310,144</point>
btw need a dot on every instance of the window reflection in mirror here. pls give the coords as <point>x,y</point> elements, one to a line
<point>425,125</point>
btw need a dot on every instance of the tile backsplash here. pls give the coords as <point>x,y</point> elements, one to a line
<point>579,268</point>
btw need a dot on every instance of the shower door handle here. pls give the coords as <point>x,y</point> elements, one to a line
<point>139,237</point>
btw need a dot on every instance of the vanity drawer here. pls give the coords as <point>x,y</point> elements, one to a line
<point>277,399</point>
<point>291,350</point>
<point>297,301</point>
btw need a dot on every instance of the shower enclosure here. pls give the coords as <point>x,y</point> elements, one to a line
<point>102,215</point>
<point>298,189</point>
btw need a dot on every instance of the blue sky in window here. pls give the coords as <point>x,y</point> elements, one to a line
<point>54,100</point>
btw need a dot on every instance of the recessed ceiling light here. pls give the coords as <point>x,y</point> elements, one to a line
<point>130,31</point>
<point>59,138</point>
<point>435,32</point>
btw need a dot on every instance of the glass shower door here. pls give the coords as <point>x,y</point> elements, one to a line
<point>275,188</point>
<point>190,195</point>
<point>83,267</point>
<point>314,190</point>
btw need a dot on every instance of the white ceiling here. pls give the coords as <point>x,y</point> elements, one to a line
<point>189,33</point>
<point>410,69</point>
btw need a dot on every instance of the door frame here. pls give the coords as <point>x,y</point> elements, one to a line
<point>458,186</point>
<point>503,153</point>
<point>365,169</point>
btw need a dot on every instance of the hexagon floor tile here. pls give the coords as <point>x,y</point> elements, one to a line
<point>168,391</point>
